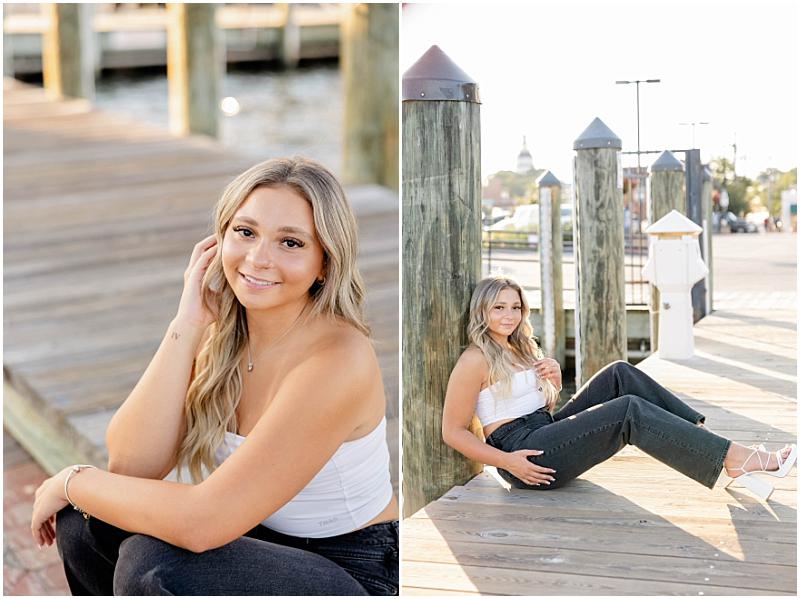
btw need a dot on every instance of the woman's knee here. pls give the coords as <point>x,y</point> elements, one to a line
<point>144,566</point>
<point>640,411</point>
<point>75,533</point>
<point>627,378</point>
<point>621,367</point>
<point>625,407</point>
<point>89,550</point>
<point>614,373</point>
<point>72,532</point>
<point>631,401</point>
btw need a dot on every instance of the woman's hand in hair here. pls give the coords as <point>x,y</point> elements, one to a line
<point>518,464</point>
<point>192,310</point>
<point>550,370</point>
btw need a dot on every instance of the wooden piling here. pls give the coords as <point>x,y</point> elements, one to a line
<point>441,263</point>
<point>551,244</point>
<point>369,59</point>
<point>666,194</point>
<point>707,237</point>
<point>194,69</point>
<point>290,38</point>
<point>67,67</point>
<point>600,328</point>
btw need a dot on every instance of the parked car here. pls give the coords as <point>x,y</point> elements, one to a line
<point>736,224</point>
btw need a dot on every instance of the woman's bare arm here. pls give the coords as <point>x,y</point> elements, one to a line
<point>468,376</point>
<point>466,380</point>
<point>301,429</point>
<point>144,435</point>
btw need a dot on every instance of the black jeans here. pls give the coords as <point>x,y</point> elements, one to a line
<point>619,405</point>
<point>100,559</point>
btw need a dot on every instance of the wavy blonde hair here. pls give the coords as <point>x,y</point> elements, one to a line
<point>216,389</point>
<point>523,345</point>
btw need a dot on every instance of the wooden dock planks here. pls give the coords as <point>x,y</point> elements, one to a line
<point>632,525</point>
<point>100,216</point>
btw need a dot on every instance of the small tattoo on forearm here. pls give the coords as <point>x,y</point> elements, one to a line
<point>175,335</point>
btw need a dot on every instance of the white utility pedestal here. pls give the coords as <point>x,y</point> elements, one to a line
<point>674,265</point>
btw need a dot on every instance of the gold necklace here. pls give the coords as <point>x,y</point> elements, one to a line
<point>251,362</point>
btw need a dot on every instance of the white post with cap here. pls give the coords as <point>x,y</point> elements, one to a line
<point>674,266</point>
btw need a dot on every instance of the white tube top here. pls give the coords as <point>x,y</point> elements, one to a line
<point>526,398</point>
<point>350,490</point>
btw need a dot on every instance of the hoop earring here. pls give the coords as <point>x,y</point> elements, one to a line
<point>322,282</point>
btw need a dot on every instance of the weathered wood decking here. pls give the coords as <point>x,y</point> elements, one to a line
<point>100,216</point>
<point>633,526</point>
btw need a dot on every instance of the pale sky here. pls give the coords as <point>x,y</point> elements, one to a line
<point>546,70</point>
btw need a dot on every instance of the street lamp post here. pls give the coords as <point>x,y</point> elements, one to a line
<point>638,142</point>
<point>693,125</point>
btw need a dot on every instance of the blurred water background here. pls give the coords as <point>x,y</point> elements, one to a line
<point>281,112</point>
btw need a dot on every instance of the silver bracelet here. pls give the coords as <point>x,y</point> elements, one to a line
<point>75,470</point>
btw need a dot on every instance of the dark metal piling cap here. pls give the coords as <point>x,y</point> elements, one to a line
<point>666,162</point>
<point>706,174</point>
<point>597,135</point>
<point>436,77</point>
<point>548,179</point>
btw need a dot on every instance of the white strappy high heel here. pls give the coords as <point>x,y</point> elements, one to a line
<point>758,486</point>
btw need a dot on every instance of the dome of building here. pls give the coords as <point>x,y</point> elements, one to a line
<point>524,159</point>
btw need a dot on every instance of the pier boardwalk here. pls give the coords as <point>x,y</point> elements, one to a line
<point>100,217</point>
<point>131,36</point>
<point>633,526</point>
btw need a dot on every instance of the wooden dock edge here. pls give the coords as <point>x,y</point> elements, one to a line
<point>43,442</point>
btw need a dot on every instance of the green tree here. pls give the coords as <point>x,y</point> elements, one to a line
<point>737,195</point>
<point>722,169</point>
<point>521,188</point>
<point>723,173</point>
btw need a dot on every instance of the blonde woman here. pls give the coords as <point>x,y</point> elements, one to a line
<point>267,388</point>
<point>504,379</point>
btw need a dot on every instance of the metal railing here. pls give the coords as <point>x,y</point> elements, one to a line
<point>511,251</point>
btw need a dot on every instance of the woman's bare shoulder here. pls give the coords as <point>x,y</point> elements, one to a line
<point>467,379</point>
<point>340,337</point>
<point>471,366</point>
<point>473,357</point>
<point>338,345</point>
<point>335,371</point>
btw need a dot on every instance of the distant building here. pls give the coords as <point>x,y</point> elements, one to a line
<point>493,190</point>
<point>496,194</point>
<point>524,160</point>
